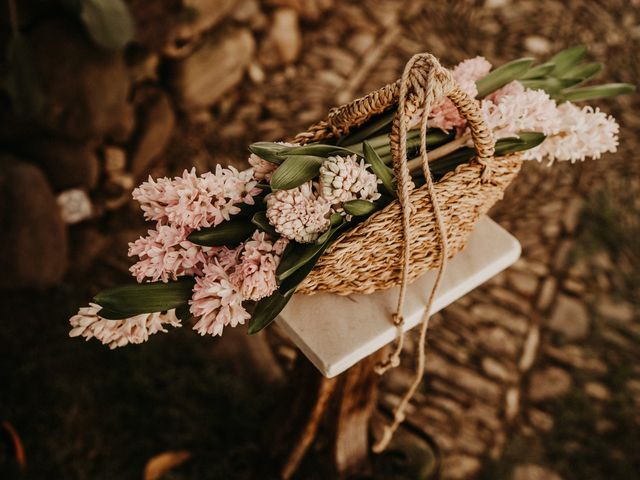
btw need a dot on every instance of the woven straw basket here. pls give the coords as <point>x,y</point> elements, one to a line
<point>367,257</point>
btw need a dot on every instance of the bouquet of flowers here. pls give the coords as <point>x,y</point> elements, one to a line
<point>229,247</point>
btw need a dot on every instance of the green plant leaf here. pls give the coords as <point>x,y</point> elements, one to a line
<point>294,256</point>
<point>584,72</point>
<point>370,128</point>
<point>268,151</point>
<point>336,219</point>
<point>384,173</point>
<point>551,85</point>
<point>566,59</point>
<point>359,208</point>
<point>108,22</point>
<point>317,150</point>
<point>503,75</point>
<point>23,82</point>
<point>291,282</point>
<point>261,221</point>
<point>598,91</point>
<point>267,309</point>
<point>229,233</point>
<point>504,146</point>
<point>539,71</point>
<point>295,171</point>
<point>129,300</point>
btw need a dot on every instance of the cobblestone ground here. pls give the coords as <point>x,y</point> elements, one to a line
<point>533,375</point>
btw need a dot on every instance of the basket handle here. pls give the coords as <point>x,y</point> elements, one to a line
<point>344,118</point>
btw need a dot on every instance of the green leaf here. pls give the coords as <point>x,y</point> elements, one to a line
<point>598,91</point>
<point>295,256</point>
<point>267,309</point>
<point>268,151</point>
<point>318,150</point>
<point>503,75</point>
<point>108,22</point>
<point>551,85</point>
<point>23,82</point>
<point>566,59</point>
<point>129,300</point>
<point>295,171</point>
<point>359,208</point>
<point>539,71</point>
<point>291,282</point>
<point>504,146</point>
<point>229,233</point>
<point>336,219</point>
<point>369,129</point>
<point>261,221</point>
<point>384,173</point>
<point>584,72</point>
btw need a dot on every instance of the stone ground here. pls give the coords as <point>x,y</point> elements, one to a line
<point>543,381</point>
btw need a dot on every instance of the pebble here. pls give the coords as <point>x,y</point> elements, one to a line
<point>540,420</point>
<point>547,292</point>
<point>549,384</point>
<point>75,206</point>
<point>534,472</point>
<point>569,318</point>
<point>597,391</point>
<point>197,84</point>
<point>622,312</point>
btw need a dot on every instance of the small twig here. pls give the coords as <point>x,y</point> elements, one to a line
<point>326,389</point>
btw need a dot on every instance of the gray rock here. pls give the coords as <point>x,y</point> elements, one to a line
<point>534,472</point>
<point>86,88</point>
<point>205,15</point>
<point>525,283</point>
<point>548,384</point>
<point>540,420</point>
<point>33,244</point>
<point>156,124</point>
<point>597,390</point>
<point>66,163</point>
<point>285,36</point>
<point>547,292</point>
<point>213,69</point>
<point>622,312</point>
<point>460,466</point>
<point>570,318</point>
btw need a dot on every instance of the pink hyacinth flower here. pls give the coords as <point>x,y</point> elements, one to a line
<point>216,302</point>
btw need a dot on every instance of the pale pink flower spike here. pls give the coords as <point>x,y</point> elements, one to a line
<point>89,324</point>
<point>197,201</point>
<point>216,302</point>
<point>255,275</point>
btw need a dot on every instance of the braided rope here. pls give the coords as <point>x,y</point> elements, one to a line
<point>437,84</point>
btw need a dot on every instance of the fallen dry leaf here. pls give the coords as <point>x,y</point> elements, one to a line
<point>16,443</point>
<point>160,464</point>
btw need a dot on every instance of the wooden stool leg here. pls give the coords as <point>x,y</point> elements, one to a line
<point>325,388</point>
<point>345,404</point>
<point>354,403</point>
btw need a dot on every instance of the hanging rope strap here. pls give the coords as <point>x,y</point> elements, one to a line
<point>429,84</point>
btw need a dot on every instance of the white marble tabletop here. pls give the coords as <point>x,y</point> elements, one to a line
<point>335,331</point>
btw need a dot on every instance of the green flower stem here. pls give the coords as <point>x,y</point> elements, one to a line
<point>440,152</point>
